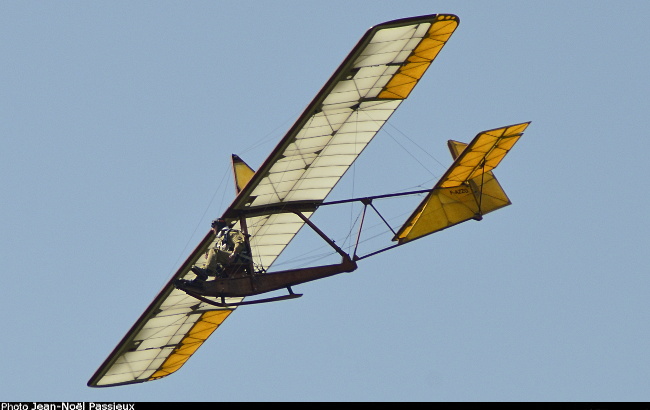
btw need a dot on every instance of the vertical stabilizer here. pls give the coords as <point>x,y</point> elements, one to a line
<point>242,172</point>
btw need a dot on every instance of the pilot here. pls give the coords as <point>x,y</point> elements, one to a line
<point>227,249</point>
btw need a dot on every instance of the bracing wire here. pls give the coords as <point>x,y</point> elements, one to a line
<point>411,154</point>
<point>267,138</point>
<point>201,219</point>
<point>403,134</point>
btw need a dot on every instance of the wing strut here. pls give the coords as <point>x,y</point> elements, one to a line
<point>244,230</point>
<point>340,251</point>
<point>368,201</point>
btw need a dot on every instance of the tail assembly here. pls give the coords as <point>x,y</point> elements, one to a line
<point>469,189</point>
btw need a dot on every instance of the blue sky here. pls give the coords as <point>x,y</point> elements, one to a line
<point>118,120</point>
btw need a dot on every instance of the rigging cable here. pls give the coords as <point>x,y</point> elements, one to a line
<point>200,221</point>
<point>409,152</point>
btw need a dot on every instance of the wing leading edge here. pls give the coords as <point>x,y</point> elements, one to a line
<point>377,75</point>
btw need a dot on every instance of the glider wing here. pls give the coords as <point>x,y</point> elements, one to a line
<point>377,75</point>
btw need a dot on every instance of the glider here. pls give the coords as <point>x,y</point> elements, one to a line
<point>276,201</point>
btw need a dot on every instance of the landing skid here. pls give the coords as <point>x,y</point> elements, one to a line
<point>223,304</point>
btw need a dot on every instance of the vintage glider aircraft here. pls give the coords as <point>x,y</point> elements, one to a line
<point>276,201</point>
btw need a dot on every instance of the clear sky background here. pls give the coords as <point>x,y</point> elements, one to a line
<point>117,121</point>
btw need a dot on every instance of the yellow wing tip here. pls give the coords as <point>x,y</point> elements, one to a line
<point>404,81</point>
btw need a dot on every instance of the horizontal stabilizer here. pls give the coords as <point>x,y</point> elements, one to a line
<point>469,189</point>
<point>483,154</point>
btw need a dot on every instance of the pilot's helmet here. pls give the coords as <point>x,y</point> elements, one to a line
<point>219,224</point>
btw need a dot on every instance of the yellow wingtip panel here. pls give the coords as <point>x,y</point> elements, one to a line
<point>202,329</point>
<point>403,82</point>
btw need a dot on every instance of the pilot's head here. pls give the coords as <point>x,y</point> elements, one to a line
<point>219,224</point>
